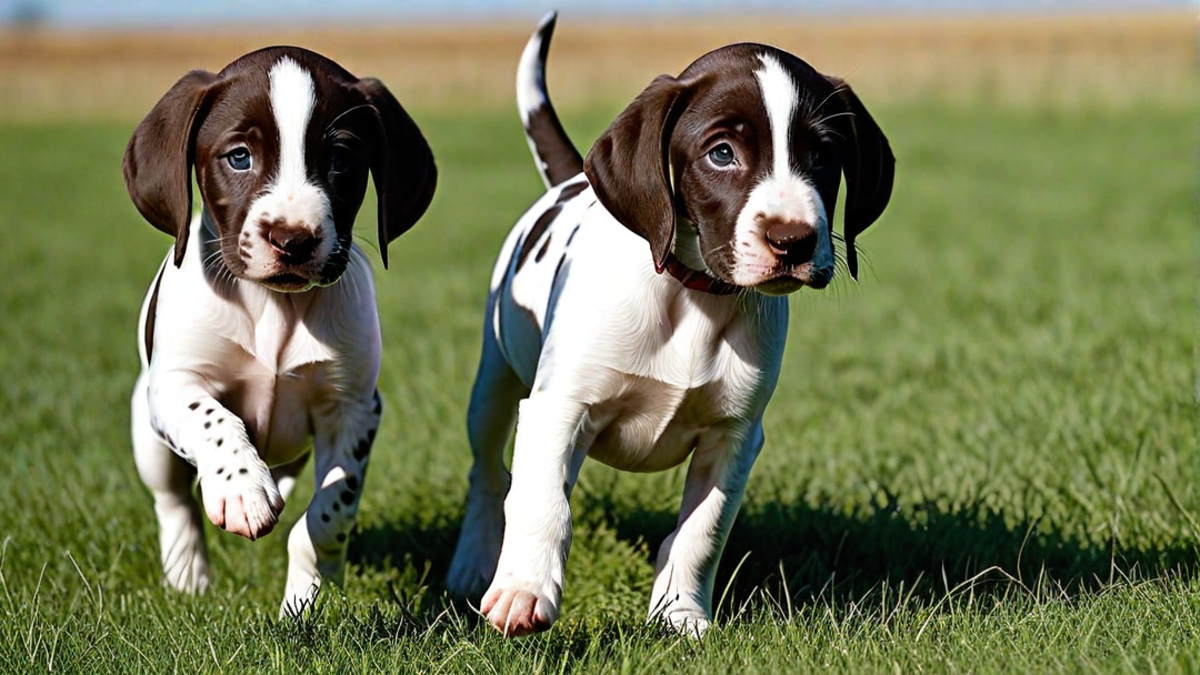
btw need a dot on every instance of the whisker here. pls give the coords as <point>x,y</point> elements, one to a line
<point>826,118</point>
<point>836,90</point>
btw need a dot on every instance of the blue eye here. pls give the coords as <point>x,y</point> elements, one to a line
<point>722,155</point>
<point>239,159</point>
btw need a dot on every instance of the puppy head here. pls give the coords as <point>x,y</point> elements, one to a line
<point>281,141</point>
<point>748,144</point>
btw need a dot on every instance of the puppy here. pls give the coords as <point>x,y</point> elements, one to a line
<point>259,338</point>
<point>637,312</point>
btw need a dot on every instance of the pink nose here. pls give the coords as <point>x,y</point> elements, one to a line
<point>793,240</point>
<point>295,246</point>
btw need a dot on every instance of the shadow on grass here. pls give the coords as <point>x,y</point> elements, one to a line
<point>805,552</point>
<point>808,552</point>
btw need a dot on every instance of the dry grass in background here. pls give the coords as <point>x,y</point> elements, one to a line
<point>1109,60</point>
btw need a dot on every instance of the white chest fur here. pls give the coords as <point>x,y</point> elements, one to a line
<point>273,359</point>
<point>705,374</point>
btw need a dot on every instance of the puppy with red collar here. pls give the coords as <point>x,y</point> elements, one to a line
<point>637,313</point>
<point>259,338</point>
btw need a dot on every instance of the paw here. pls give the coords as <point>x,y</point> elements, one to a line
<point>240,496</point>
<point>185,563</point>
<point>300,597</point>
<point>181,542</point>
<point>686,621</point>
<point>516,609</point>
<point>187,580</point>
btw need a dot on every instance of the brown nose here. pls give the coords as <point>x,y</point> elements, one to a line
<point>793,240</point>
<point>294,245</point>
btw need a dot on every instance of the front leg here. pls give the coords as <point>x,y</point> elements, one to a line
<point>687,560</point>
<point>317,545</point>
<point>240,496</point>
<point>525,593</point>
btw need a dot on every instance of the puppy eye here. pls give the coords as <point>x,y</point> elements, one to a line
<point>239,159</point>
<point>822,163</point>
<point>339,160</point>
<point>722,155</point>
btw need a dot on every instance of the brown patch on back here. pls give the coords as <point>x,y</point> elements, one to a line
<point>543,222</point>
<point>535,233</point>
<point>542,251</point>
<point>571,191</point>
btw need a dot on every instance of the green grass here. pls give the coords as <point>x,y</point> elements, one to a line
<point>982,458</point>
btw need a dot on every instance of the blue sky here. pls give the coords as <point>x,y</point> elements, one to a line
<point>232,12</point>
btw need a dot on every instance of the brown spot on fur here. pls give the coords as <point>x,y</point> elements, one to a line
<point>545,247</point>
<point>571,191</point>
<point>535,233</point>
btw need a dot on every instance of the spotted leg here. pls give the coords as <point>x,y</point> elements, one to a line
<point>490,417</point>
<point>170,479</point>
<point>238,491</point>
<point>687,559</point>
<point>317,544</point>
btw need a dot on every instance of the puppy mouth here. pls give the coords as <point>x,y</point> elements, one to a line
<point>786,279</point>
<point>287,283</point>
<point>299,279</point>
<point>779,286</point>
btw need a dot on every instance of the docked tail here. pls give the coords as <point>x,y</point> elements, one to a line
<point>555,156</point>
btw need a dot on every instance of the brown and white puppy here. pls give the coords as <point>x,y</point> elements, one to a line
<point>259,338</point>
<point>726,178</point>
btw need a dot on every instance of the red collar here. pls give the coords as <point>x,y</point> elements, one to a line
<point>696,280</point>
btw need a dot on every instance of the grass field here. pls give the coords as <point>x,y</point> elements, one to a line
<point>983,458</point>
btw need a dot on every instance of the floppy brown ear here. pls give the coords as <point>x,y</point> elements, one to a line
<point>159,158</point>
<point>868,164</point>
<point>628,166</point>
<point>402,166</point>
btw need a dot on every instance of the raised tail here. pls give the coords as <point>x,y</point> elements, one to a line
<point>555,155</point>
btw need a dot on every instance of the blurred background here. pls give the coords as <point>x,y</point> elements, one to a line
<point>83,59</point>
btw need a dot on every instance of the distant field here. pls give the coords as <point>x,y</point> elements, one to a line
<point>982,458</point>
<point>1075,61</point>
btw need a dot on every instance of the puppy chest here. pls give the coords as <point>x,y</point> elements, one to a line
<point>654,426</point>
<point>277,410</point>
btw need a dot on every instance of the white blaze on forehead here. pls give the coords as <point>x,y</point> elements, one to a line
<point>779,97</point>
<point>292,100</point>
<point>290,196</point>
<point>783,195</point>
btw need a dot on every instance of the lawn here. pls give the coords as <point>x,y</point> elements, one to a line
<point>982,458</point>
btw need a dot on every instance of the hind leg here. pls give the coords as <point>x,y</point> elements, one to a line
<point>494,399</point>
<point>317,544</point>
<point>170,479</point>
